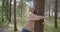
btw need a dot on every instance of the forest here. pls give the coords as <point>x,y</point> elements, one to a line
<point>14,13</point>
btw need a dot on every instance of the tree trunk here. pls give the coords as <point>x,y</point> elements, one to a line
<point>55,13</point>
<point>21,7</point>
<point>15,26</point>
<point>6,12</point>
<point>49,11</point>
<point>2,9</point>
<point>52,12</point>
<point>39,5</point>
<point>10,10</point>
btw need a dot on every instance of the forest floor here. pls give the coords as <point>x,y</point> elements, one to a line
<point>48,26</point>
<point>10,27</point>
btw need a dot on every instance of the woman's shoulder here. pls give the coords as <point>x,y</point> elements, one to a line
<point>30,13</point>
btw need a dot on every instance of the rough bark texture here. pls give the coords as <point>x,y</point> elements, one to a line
<point>39,10</point>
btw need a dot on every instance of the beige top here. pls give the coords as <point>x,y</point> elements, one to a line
<point>29,25</point>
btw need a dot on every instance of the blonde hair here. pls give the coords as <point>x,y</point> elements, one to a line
<point>31,8</point>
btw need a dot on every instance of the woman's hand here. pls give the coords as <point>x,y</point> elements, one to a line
<point>43,17</point>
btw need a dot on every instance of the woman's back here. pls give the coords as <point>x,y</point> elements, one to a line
<point>29,25</point>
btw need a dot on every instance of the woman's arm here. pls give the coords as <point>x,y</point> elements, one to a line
<point>40,17</point>
<point>35,17</point>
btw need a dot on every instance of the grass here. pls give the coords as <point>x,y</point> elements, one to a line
<point>49,26</point>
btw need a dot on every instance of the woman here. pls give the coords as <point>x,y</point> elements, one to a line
<point>29,25</point>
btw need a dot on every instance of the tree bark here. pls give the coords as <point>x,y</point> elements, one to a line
<point>55,13</point>
<point>39,10</point>
<point>15,26</point>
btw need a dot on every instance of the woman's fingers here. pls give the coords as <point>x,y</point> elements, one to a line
<point>43,17</point>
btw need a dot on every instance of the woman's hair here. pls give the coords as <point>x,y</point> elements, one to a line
<point>31,8</point>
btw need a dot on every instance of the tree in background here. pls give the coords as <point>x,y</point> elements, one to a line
<point>21,8</point>
<point>56,13</point>
<point>8,6</point>
<point>15,26</point>
<point>2,9</point>
<point>49,10</point>
<point>9,10</point>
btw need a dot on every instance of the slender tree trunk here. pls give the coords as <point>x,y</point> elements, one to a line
<point>52,12</point>
<point>49,11</point>
<point>55,13</point>
<point>19,10</point>
<point>15,26</point>
<point>21,7</point>
<point>39,10</point>
<point>2,16</point>
<point>10,10</point>
<point>6,12</point>
<point>2,9</point>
